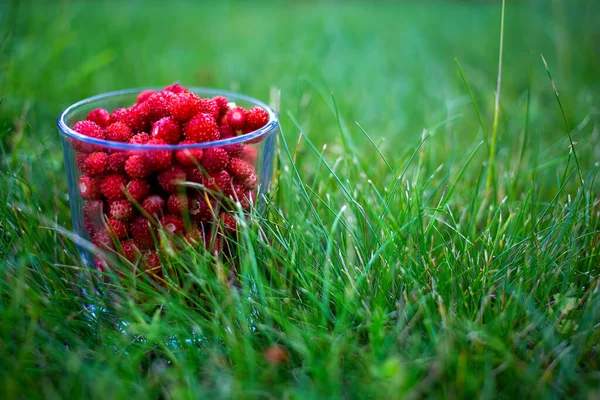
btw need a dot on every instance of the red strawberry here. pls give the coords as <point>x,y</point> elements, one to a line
<point>222,103</point>
<point>249,154</point>
<point>100,116</point>
<point>256,118</point>
<point>158,159</point>
<point>195,175</point>
<point>219,182</point>
<point>238,193</point>
<point>90,129</point>
<point>234,150</point>
<point>240,169</point>
<point>184,106</point>
<point>228,223</point>
<point>120,209</point>
<point>186,157</point>
<point>116,228</point>
<point>96,164</point>
<point>166,129</point>
<point>80,159</point>
<point>143,96</point>
<point>140,138</point>
<point>178,204</point>
<point>137,118</point>
<point>118,132</point>
<point>112,186</point>
<point>208,106</point>
<point>236,118</point>
<point>215,159</point>
<point>151,262</point>
<point>138,189</point>
<point>93,219</point>
<point>137,166</point>
<point>169,178</point>
<point>89,188</point>
<point>143,232</point>
<point>153,204</point>
<point>201,128</point>
<point>201,210</point>
<point>157,106</point>
<point>172,224</point>
<point>118,115</point>
<point>116,161</point>
<point>129,250</point>
<point>103,240</point>
<point>175,88</point>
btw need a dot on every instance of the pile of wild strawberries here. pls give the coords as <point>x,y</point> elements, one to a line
<point>129,195</point>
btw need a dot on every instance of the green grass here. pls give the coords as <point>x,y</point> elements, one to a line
<point>381,264</point>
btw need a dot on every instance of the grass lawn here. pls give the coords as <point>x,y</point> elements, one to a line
<point>420,240</point>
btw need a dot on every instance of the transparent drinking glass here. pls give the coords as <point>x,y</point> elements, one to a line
<point>97,201</point>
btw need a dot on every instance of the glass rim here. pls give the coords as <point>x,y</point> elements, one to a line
<point>261,133</point>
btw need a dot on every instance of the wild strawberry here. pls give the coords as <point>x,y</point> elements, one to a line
<point>219,182</point>
<point>184,106</point>
<point>157,105</point>
<point>249,154</point>
<point>225,132</point>
<point>187,157</point>
<point>240,169</point>
<point>116,228</point>
<point>175,88</point>
<point>118,132</point>
<point>166,129</point>
<point>194,237</point>
<point>143,96</point>
<point>213,243</point>
<point>90,129</point>
<point>112,186</point>
<point>153,204</point>
<point>118,115</point>
<point>140,138</point>
<point>228,223</point>
<point>116,161</point>
<point>89,188</point>
<point>256,118</point>
<point>129,250</point>
<point>96,164</point>
<point>93,212</point>
<point>215,159</point>
<point>195,175</point>
<point>137,166</point>
<point>103,240</point>
<point>208,106</point>
<point>178,204</point>
<point>201,128</point>
<point>238,193</point>
<point>137,118</point>
<point>234,150</point>
<point>151,262</point>
<point>201,210</point>
<point>158,159</point>
<point>80,159</point>
<point>170,178</point>
<point>137,189</point>
<point>236,118</point>
<point>120,209</point>
<point>143,232</point>
<point>172,224</point>
<point>100,116</point>
<point>222,103</point>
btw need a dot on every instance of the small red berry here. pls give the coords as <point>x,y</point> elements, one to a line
<point>112,186</point>
<point>236,117</point>
<point>89,188</point>
<point>157,106</point>
<point>137,166</point>
<point>186,157</point>
<point>178,204</point>
<point>118,115</point>
<point>201,210</point>
<point>116,161</point>
<point>184,106</point>
<point>170,178</point>
<point>137,118</point>
<point>103,240</point>
<point>143,96</point>
<point>234,150</point>
<point>143,232</point>
<point>116,228</point>
<point>194,237</point>
<point>229,223</point>
<point>80,159</point>
<point>225,132</point>
<point>137,189</point>
<point>240,169</point>
<point>208,106</point>
<point>238,193</point>
<point>215,159</point>
<point>93,216</point>
<point>120,209</point>
<point>175,88</point>
<point>118,132</point>
<point>222,103</point>
<point>256,118</point>
<point>158,159</point>
<point>90,129</point>
<point>166,129</point>
<point>195,175</point>
<point>249,154</point>
<point>140,138</point>
<point>219,182</point>
<point>172,224</point>
<point>100,116</point>
<point>129,250</point>
<point>201,128</point>
<point>96,164</point>
<point>153,204</point>
<point>151,262</point>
